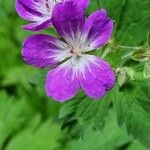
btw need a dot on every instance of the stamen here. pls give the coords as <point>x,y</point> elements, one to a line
<point>75,52</point>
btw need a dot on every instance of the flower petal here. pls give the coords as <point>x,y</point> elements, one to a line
<point>44,51</point>
<point>38,11</point>
<point>37,26</point>
<point>96,77</point>
<point>82,3</point>
<point>98,29</point>
<point>68,19</point>
<point>27,10</point>
<point>62,84</point>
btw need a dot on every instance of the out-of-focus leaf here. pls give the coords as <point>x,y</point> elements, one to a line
<point>8,53</point>
<point>13,116</point>
<point>135,145</point>
<point>19,76</point>
<point>40,137</point>
<point>38,78</point>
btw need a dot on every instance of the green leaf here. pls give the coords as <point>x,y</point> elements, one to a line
<point>133,28</point>
<point>83,111</point>
<point>112,137</point>
<point>133,107</point>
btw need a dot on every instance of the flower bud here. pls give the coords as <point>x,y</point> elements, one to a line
<point>146,71</point>
<point>125,74</point>
<point>141,55</point>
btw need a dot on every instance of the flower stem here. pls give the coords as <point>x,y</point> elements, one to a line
<point>127,47</point>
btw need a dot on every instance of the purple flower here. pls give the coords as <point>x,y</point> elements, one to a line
<point>40,11</point>
<point>75,68</point>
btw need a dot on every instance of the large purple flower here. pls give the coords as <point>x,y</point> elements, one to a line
<point>75,68</point>
<point>40,11</point>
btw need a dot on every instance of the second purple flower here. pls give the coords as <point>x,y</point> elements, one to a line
<point>40,11</point>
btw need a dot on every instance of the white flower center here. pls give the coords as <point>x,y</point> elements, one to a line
<point>75,52</point>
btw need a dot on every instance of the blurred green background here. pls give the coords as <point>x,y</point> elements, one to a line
<point>121,121</point>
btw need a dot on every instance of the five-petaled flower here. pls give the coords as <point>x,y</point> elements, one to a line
<point>40,11</point>
<point>74,69</point>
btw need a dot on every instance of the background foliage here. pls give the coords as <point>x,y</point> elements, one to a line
<point>120,121</point>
